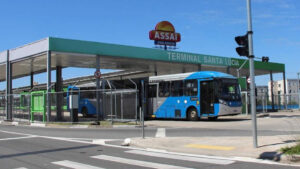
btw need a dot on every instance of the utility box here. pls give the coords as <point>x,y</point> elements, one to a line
<point>73,101</point>
<point>73,104</point>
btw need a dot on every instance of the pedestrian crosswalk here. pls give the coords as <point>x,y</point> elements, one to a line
<point>137,162</point>
<point>148,162</point>
<point>75,165</point>
<point>203,159</point>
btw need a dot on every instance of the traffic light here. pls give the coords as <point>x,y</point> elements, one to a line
<point>243,49</point>
<point>265,59</point>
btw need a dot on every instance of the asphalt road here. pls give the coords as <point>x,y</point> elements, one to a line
<point>34,152</point>
<point>33,147</point>
<point>122,133</point>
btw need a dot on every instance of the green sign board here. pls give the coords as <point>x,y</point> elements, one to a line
<point>199,59</point>
<point>113,50</point>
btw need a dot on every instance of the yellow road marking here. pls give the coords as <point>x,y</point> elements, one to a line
<point>226,148</point>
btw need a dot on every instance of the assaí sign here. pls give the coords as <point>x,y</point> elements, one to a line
<point>164,34</point>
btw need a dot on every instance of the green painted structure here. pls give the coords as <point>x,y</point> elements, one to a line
<point>51,53</point>
<point>122,51</point>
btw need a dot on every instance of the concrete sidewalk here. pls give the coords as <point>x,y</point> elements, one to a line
<point>234,146</point>
<point>269,146</point>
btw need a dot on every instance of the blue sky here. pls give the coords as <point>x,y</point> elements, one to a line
<point>206,27</point>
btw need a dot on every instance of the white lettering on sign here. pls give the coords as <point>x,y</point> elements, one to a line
<point>165,36</point>
<point>235,62</point>
<point>213,60</point>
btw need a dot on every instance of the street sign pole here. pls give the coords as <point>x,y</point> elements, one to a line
<point>252,75</point>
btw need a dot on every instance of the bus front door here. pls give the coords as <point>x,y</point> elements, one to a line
<point>207,97</point>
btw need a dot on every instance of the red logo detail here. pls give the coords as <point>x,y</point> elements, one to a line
<point>164,31</point>
<point>97,74</point>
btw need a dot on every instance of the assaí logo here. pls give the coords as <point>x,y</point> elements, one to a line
<point>164,31</point>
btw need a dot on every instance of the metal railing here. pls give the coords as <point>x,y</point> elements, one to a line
<point>280,102</point>
<point>116,105</point>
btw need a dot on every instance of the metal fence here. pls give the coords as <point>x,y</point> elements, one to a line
<point>2,107</point>
<point>115,105</point>
<point>280,102</point>
<point>20,107</point>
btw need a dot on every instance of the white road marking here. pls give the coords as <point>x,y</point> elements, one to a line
<point>21,168</point>
<point>11,132</point>
<point>75,165</point>
<point>185,158</point>
<point>16,138</point>
<point>161,132</point>
<point>137,162</point>
<point>243,159</point>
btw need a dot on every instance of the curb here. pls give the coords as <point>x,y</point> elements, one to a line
<point>15,123</point>
<point>51,125</point>
<point>79,126</point>
<point>38,124</point>
<point>125,126</point>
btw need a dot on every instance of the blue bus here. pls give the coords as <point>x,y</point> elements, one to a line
<point>110,99</point>
<point>193,95</point>
<point>87,101</point>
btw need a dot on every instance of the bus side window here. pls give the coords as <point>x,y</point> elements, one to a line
<point>177,88</point>
<point>190,88</point>
<point>152,91</point>
<point>164,89</point>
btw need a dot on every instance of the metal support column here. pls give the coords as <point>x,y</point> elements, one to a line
<point>103,96</point>
<point>48,86</point>
<point>8,88</point>
<point>59,93</point>
<point>272,94</point>
<point>228,70</point>
<point>31,80</point>
<point>298,85</point>
<point>143,107</point>
<point>29,95</point>
<point>98,88</point>
<point>284,90</point>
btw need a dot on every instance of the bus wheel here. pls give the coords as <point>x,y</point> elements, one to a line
<point>213,118</point>
<point>192,114</point>
<point>84,112</point>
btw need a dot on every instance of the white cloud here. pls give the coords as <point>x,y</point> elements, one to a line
<point>283,41</point>
<point>285,4</point>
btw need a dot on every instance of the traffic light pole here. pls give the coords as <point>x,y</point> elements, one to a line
<point>252,75</point>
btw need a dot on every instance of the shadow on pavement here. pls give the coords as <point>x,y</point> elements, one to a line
<point>204,119</point>
<point>224,120</point>
<point>284,142</point>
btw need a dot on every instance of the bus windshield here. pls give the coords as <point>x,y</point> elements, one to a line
<point>227,89</point>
